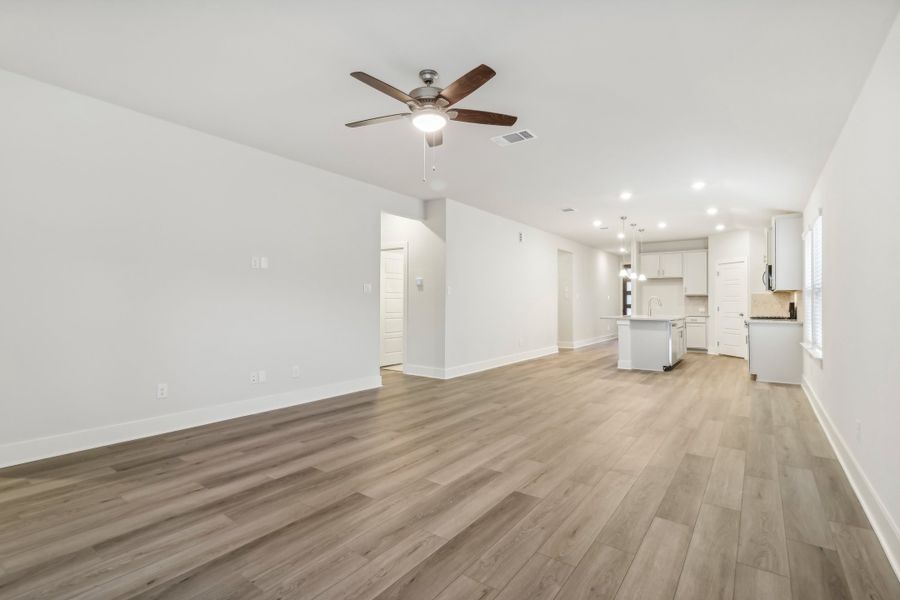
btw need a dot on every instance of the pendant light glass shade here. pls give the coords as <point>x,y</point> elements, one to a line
<point>642,277</point>
<point>623,273</point>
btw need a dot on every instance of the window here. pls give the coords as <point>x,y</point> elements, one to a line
<point>812,289</point>
<point>627,287</point>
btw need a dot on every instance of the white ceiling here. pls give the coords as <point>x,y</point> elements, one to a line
<point>643,95</point>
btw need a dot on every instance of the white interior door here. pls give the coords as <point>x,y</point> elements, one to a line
<point>393,280</point>
<point>731,306</point>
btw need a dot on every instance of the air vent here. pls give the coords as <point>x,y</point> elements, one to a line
<point>515,137</point>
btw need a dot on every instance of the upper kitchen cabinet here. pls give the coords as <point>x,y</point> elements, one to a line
<point>670,265</point>
<point>785,254</point>
<point>650,265</point>
<point>695,268</point>
<point>662,265</point>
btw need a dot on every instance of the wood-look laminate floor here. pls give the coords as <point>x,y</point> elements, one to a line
<point>557,478</point>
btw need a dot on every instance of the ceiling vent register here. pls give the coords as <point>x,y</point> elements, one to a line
<point>516,137</point>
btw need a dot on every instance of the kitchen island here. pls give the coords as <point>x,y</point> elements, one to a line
<point>650,343</point>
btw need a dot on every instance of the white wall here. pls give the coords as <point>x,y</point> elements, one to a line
<point>501,293</point>
<point>424,353</point>
<point>858,379</point>
<point>126,245</point>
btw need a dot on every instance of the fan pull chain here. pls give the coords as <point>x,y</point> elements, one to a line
<point>433,160</point>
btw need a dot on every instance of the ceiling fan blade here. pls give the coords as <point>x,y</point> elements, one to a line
<point>481,116</point>
<point>375,120</point>
<point>435,138</point>
<point>384,88</point>
<point>467,84</point>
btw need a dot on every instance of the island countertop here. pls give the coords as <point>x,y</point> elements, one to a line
<point>646,317</point>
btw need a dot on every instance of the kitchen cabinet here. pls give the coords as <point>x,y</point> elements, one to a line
<point>670,264</point>
<point>695,328</point>
<point>661,265</point>
<point>650,265</point>
<point>785,254</point>
<point>775,352</point>
<point>695,269</point>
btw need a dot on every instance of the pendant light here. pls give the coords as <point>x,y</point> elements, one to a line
<point>641,277</point>
<point>623,272</point>
<point>632,274</point>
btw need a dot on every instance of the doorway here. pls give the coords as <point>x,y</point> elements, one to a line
<point>393,305</point>
<point>731,306</point>
<point>565,335</point>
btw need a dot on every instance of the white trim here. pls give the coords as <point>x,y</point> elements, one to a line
<point>493,363</point>
<point>586,342</point>
<point>882,523</point>
<point>423,371</point>
<point>476,367</point>
<point>55,445</point>
<point>813,351</point>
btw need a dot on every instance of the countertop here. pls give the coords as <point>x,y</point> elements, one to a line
<point>765,320</point>
<point>646,317</point>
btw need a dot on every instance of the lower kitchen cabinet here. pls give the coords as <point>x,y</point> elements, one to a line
<point>695,328</point>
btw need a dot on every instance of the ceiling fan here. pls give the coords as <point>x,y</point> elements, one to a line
<point>430,105</point>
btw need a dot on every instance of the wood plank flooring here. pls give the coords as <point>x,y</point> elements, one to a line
<point>559,478</point>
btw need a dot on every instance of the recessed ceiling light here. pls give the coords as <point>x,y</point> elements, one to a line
<point>712,210</point>
<point>622,249</point>
<point>625,195</point>
<point>720,227</point>
<point>661,224</point>
<point>597,222</point>
<point>620,235</point>
<point>698,185</point>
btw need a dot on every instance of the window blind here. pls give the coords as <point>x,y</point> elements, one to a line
<point>812,287</point>
<point>817,284</point>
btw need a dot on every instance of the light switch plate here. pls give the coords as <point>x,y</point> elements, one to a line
<point>254,262</point>
<point>295,371</point>
<point>367,288</point>
<point>262,376</point>
<point>264,262</point>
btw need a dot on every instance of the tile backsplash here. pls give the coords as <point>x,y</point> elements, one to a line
<point>696,305</point>
<point>771,304</point>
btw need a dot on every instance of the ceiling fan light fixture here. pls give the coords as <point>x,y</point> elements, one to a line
<point>429,120</point>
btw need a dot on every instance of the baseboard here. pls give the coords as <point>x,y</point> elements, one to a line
<point>882,523</point>
<point>500,361</point>
<point>586,342</point>
<point>85,439</point>
<point>423,371</point>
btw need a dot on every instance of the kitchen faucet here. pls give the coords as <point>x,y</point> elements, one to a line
<point>650,304</point>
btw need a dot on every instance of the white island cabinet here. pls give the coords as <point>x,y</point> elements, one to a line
<point>647,343</point>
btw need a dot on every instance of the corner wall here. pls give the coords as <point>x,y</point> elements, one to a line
<point>127,245</point>
<point>858,380</point>
<point>502,292</point>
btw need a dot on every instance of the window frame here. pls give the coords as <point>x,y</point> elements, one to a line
<point>627,305</point>
<point>813,289</point>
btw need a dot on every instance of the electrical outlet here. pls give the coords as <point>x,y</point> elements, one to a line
<point>254,377</point>
<point>295,371</point>
<point>262,376</point>
<point>162,391</point>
